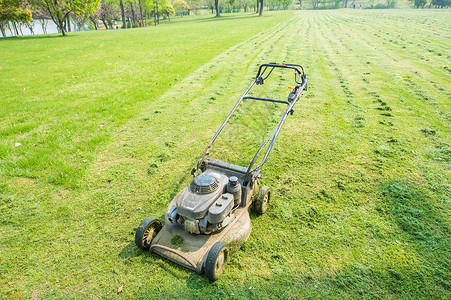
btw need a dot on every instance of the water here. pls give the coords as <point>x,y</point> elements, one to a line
<point>37,28</point>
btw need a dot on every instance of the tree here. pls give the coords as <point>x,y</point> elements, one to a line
<point>286,3</point>
<point>441,3</point>
<point>107,13</point>
<point>210,4</point>
<point>59,10</point>
<point>124,21</point>
<point>246,4</point>
<point>42,17</point>
<point>260,7</point>
<point>159,7</point>
<point>391,3</point>
<point>166,9</point>
<point>94,17</point>
<point>180,6</point>
<point>419,3</point>
<point>90,11</point>
<point>14,12</point>
<point>217,8</point>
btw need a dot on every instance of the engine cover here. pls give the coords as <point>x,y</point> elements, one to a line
<point>195,200</point>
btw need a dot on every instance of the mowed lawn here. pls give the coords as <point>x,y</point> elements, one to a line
<point>99,130</point>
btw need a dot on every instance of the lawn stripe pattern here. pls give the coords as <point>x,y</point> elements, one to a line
<point>360,174</point>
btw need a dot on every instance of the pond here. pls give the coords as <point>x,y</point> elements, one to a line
<point>40,26</point>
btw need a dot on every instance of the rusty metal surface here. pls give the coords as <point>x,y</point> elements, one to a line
<point>193,251</point>
<point>178,257</point>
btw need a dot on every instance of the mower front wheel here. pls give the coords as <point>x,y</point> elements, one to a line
<point>262,200</point>
<point>146,231</point>
<point>216,259</point>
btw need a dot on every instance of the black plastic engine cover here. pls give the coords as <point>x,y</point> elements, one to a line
<point>194,201</point>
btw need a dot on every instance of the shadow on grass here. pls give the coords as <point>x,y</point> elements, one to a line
<point>212,19</point>
<point>169,267</point>
<point>147,257</point>
<point>228,18</point>
<point>130,251</point>
<point>409,207</point>
<point>38,37</point>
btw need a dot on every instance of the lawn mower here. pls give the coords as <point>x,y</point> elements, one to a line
<point>209,219</point>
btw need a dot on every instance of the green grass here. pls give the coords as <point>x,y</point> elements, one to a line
<point>57,93</point>
<point>112,122</point>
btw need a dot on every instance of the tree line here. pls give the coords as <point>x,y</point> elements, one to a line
<point>133,13</point>
<point>335,4</point>
<point>16,14</point>
<point>432,3</point>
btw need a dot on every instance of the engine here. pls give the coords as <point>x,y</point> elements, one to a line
<point>206,205</point>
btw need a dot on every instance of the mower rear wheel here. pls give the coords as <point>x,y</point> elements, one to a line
<point>146,231</point>
<point>262,200</point>
<point>216,259</point>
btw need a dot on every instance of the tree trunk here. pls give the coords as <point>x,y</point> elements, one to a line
<point>104,23</point>
<point>217,8</point>
<point>124,21</point>
<point>62,27</point>
<point>59,21</point>
<point>15,29</point>
<point>43,25</point>
<point>94,22</point>
<point>68,24</point>
<point>158,13</point>
<point>133,13</point>
<point>30,27</point>
<point>141,13</point>
<point>261,8</point>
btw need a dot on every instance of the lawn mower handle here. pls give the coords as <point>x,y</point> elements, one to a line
<point>259,80</point>
<point>251,173</point>
<point>297,68</point>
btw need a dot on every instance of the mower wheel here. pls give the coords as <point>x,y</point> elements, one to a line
<point>262,200</point>
<point>216,259</point>
<point>146,231</point>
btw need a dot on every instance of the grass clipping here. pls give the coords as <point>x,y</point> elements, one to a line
<point>177,240</point>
